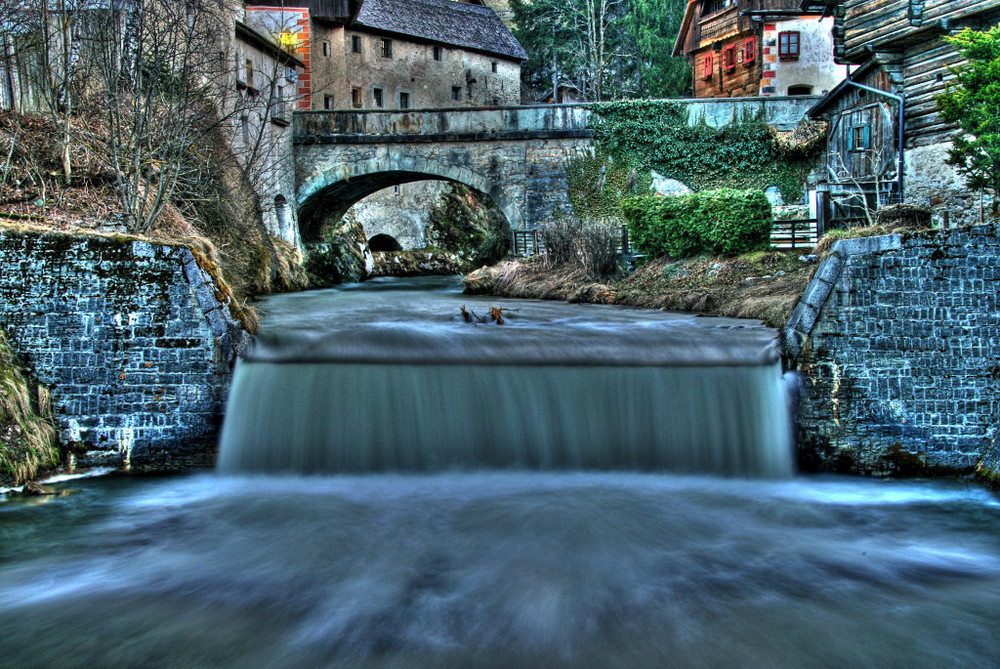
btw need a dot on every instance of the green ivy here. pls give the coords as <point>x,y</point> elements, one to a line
<point>635,136</point>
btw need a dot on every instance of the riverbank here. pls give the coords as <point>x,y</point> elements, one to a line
<point>765,285</point>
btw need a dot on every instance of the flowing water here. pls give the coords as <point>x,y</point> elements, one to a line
<point>548,556</point>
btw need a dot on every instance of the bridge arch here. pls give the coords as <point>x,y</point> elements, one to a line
<point>334,191</point>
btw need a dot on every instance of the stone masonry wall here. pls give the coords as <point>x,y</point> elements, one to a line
<point>130,338</point>
<point>897,343</point>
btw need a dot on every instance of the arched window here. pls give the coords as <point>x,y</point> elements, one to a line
<point>801,89</point>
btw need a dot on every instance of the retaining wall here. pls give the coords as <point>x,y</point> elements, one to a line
<point>130,337</point>
<point>897,341</point>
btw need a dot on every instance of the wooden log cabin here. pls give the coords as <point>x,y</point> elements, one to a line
<point>741,48</point>
<point>899,62</point>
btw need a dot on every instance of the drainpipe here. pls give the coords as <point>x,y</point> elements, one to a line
<point>902,109</point>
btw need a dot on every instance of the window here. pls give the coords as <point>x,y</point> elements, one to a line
<point>860,138</point>
<point>788,45</point>
<point>706,71</point>
<point>729,57</point>
<point>404,100</point>
<point>355,43</point>
<point>385,48</point>
<point>377,95</point>
<point>326,49</point>
<point>713,6</point>
<point>750,50</point>
<point>327,102</point>
<point>493,67</point>
<point>356,97</point>
<point>437,53</point>
<point>456,93</point>
<point>249,72</point>
<point>801,89</point>
<point>245,130</point>
<point>279,103</point>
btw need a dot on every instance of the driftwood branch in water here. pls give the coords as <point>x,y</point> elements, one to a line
<point>496,315</point>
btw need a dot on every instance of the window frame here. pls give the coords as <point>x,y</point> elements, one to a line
<point>437,53</point>
<point>729,58</point>
<point>456,93</point>
<point>750,50</point>
<point>785,44</point>
<point>357,97</point>
<point>494,66</point>
<point>385,48</point>
<point>328,101</point>
<point>357,46</point>
<point>378,96</point>
<point>865,139</point>
<point>404,100</point>
<point>708,66</point>
<point>327,49</point>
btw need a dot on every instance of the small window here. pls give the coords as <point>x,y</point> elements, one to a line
<point>249,71</point>
<point>788,45</point>
<point>456,93</point>
<point>750,50</point>
<point>729,57</point>
<point>404,100</point>
<point>437,53</point>
<point>801,89</point>
<point>377,95</point>
<point>355,43</point>
<point>860,138</point>
<point>706,70</point>
<point>356,97</point>
<point>326,49</point>
<point>493,67</point>
<point>245,130</point>
<point>279,103</point>
<point>327,102</point>
<point>385,48</point>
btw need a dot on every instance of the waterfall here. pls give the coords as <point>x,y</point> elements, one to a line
<point>350,416</point>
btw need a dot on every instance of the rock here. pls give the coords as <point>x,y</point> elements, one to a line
<point>664,187</point>
<point>774,196</point>
<point>780,273</point>
<point>33,489</point>
<point>808,258</point>
<point>482,281</point>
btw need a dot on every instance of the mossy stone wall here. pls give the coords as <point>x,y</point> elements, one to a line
<point>130,337</point>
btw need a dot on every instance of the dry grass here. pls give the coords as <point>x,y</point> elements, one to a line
<point>27,437</point>
<point>763,285</point>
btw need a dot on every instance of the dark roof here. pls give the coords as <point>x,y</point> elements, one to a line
<point>453,23</point>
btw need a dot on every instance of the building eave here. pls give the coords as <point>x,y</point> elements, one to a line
<point>247,34</point>
<point>685,27</point>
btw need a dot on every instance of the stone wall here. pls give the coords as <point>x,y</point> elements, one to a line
<point>897,342</point>
<point>130,337</point>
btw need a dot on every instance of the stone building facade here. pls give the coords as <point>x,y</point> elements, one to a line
<point>900,51</point>
<point>741,48</point>
<point>385,55</point>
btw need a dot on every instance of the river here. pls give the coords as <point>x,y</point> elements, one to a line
<point>547,555</point>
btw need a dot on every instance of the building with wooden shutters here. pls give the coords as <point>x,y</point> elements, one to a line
<point>764,48</point>
<point>887,142</point>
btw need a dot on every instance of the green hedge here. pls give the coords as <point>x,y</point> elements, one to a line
<point>720,222</point>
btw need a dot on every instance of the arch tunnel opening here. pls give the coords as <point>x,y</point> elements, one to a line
<point>382,243</point>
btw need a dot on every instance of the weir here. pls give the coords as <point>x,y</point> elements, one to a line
<point>596,394</point>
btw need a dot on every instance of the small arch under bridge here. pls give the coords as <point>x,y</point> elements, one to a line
<point>515,155</point>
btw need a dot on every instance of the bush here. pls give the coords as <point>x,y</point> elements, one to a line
<point>590,245</point>
<point>721,222</point>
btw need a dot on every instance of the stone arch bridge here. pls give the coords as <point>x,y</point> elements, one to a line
<point>515,155</point>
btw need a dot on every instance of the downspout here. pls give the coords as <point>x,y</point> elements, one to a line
<point>902,109</point>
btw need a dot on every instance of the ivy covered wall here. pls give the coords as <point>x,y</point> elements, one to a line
<point>632,137</point>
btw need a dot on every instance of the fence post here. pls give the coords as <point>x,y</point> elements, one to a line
<point>534,242</point>
<point>793,233</point>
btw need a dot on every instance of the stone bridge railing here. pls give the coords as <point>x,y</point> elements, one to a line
<point>436,125</point>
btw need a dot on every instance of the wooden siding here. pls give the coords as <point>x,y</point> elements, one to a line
<point>741,81</point>
<point>886,24</point>
<point>924,64</point>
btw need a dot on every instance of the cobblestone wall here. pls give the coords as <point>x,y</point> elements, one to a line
<point>897,342</point>
<point>130,338</point>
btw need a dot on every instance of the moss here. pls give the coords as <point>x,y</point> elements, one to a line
<point>898,461</point>
<point>27,438</point>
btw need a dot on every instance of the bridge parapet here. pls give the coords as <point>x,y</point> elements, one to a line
<point>435,125</point>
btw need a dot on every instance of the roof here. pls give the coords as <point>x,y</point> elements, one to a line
<point>262,42</point>
<point>831,98</point>
<point>685,27</point>
<point>453,23</point>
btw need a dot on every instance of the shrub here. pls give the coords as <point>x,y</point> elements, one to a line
<point>724,222</point>
<point>589,245</point>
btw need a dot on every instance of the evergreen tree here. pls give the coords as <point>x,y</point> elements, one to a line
<point>973,102</point>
